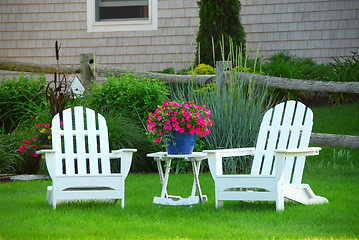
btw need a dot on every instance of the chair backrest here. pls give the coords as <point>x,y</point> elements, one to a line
<point>81,142</point>
<point>286,126</point>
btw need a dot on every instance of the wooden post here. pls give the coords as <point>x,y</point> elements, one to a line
<point>86,75</point>
<point>221,79</point>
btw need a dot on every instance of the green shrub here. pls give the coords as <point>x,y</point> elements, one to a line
<point>203,69</point>
<point>285,65</point>
<point>138,95</point>
<point>174,71</point>
<point>13,161</point>
<point>17,103</point>
<point>343,70</point>
<point>219,22</point>
<point>125,132</point>
<point>9,159</point>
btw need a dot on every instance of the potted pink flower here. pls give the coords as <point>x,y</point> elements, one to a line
<point>185,119</point>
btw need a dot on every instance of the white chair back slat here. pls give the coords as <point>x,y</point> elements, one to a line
<point>261,142</point>
<point>304,143</point>
<point>56,143</point>
<point>293,141</point>
<point>286,132</point>
<point>80,140</point>
<point>68,142</point>
<point>92,141</point>
<point>285,126</point>
<point>104,147</point>
<point>272,140</point>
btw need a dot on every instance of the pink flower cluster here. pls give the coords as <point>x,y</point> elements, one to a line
<point>28,144</point>
<point>31,144</point>
<point>179,117</point>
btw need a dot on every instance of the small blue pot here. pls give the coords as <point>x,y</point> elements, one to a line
<point>180,143</point>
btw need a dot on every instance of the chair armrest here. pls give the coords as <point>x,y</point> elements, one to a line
<point>44,151</point>
<point>231,152</point>
<point>50,160</point>
<point>118,153</point>
<point>311,151</point>
<point>215,158</point>
<point>126,159</point>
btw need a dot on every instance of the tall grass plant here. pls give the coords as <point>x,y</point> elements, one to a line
<point>236,112</point>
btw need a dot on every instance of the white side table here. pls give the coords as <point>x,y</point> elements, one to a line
<point>165,199</point>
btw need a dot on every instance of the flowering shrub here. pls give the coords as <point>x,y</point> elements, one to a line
<point>34,144</point>
<point>29,145</point>
<point>179,117</point>
<point>44,137</point>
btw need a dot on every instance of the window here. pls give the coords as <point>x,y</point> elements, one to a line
<point>121,15</point>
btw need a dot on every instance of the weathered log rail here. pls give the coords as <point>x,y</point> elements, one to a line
<point>88,70</point>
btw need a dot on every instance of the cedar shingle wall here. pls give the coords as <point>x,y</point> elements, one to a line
<point>28,30</point>
<point>308,28</point>
<point>318,29</point>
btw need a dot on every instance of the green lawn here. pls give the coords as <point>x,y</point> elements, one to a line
<point>334,174</point>
<point>337,119</point>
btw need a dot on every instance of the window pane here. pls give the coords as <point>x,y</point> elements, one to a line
<point>127,12</point>
<point>121,9</point>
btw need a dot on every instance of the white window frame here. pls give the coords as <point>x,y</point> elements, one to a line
<point>122,25</point>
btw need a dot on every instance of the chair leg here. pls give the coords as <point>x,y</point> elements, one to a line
<point>122,202</point>
<point>280,199</point>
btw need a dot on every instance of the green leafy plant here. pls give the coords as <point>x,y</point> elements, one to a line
<point>344,70</point>
<point>125,132</point>
<point>203,69</point>
<point>136,94</point>
<point>10,160</point>
<point>17,105</point>
<point>283,64</point>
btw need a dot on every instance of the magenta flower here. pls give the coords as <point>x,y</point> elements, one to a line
<point>193,118</point>
<point>35,154</point>
<point>27,142</point>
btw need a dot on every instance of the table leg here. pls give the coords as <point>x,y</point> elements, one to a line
<point>165,180</point>
<point>160,172</point>
<point>196,167</point>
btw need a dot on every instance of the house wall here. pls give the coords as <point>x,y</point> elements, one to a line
<point>318,29</point>
<point>29,29</point>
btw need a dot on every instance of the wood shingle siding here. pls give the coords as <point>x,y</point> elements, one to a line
<point>318,29</point>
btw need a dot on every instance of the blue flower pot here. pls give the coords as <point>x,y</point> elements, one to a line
<point>180,143</point>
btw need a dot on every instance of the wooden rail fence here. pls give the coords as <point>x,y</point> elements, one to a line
<point>89,71</point>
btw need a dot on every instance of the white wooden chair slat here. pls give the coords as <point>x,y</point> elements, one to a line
<point>294,140</point>
<point>263,133</point>
<point>272,140</point>
<point>278,162</point>
<point>74,164</point>
<point>56,168</point>
<point>104,147</point>
<point>69,144</point>
<point>92,141</point>
<point>284,135</point>
<point>80,140</point>
<point>304,142</point>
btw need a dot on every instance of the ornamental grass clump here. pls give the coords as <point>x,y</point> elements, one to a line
<point>183,117</point>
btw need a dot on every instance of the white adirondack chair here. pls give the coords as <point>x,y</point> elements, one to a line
<point>278,161</point>
<point>79,163</point>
